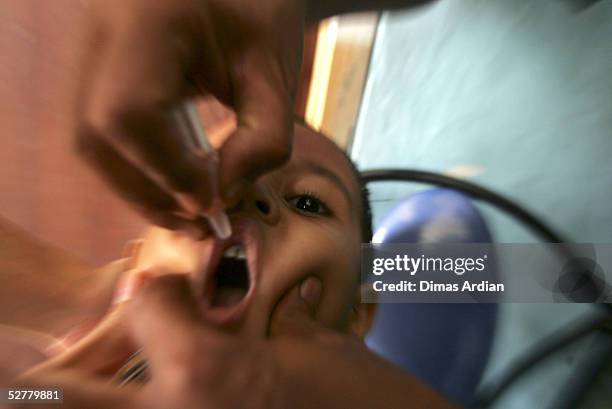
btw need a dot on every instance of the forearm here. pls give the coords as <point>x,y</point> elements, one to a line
<point>319,9</point>
<point>349,375</point>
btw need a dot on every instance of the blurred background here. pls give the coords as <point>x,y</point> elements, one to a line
<point>514,95</point>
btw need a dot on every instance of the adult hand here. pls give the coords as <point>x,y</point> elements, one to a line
<point>146,57</point>
<point>193,365</point>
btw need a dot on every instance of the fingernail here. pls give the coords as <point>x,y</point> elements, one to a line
<point>122,294</point>
<point>127,288</point>
<point>310,290</point>
<point>128,249</point>
<point>131,252</point>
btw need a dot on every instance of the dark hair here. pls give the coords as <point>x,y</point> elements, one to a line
<point>366,208</point>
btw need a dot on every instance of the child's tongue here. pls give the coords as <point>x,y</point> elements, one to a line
<point>226,297</point>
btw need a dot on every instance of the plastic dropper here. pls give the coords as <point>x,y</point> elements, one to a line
<point>191,127</point>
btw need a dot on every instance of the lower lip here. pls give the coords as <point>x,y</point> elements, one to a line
<point>226,315</point>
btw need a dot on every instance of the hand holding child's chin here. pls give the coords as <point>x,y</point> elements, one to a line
<point>200,366</point>
<point>194,365</point>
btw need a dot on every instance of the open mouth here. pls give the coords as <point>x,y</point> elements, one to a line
<point>229,278</point>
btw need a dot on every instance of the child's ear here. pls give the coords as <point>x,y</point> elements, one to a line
<point>362,316</point>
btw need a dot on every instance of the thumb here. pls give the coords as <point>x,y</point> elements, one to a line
<point>295,314</point>
<point>165,320</point>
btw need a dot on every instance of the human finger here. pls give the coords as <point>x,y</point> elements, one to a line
<point>165,319</point>
<point>265,85</point>
<point>296,312</point>
<point>136,188</point>
<point>130,104</point>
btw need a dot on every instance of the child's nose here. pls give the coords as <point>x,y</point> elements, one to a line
<point>259,202</point>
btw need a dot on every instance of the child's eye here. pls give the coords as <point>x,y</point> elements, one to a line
<point>308,204</point>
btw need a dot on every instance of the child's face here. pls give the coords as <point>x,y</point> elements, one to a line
<point>301,220</point>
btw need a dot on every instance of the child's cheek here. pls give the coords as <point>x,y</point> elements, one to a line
<point>337,264</point>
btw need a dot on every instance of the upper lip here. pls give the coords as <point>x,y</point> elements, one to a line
<point>243,233</point>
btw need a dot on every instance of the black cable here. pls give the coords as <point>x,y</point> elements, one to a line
<point>593,287</point>
<point>545,348</point>
<point>589,368</point>
<point>473,190</point>
<point>552,343</point>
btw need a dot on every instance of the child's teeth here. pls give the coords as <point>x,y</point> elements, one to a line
<point>236,251</point>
